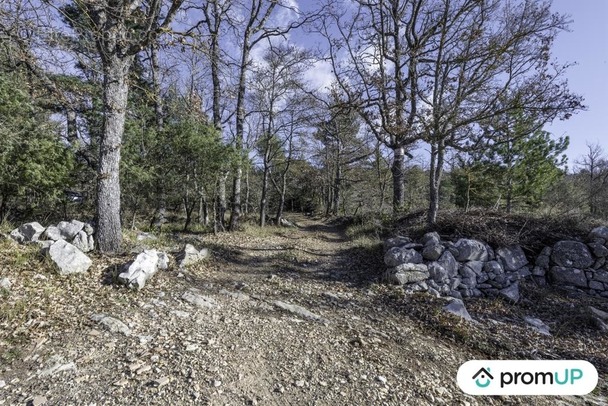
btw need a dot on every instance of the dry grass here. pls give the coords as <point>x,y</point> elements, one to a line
<point>532,232</point>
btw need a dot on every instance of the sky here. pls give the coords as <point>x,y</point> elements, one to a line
<point>587,45</point>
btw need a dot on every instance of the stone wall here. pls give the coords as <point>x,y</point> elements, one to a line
<point>471,268</point>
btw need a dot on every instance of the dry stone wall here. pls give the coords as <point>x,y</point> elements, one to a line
<point>471,268</point>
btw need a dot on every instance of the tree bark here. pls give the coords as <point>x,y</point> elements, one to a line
<point>398,179</point>
<point>116,91</point>
<point>435,175</point>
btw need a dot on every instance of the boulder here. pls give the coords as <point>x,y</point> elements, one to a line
<point>432,251</point>
<point>438,273</point>
<point>190,255</point>
<point>138,271</point>
<point>601,276</point>
<point>396,242</point>
<point>68,258</point>
<point>68,230</point>
<point>52,233</point>
<point>598,249</point>
<point>511,293</point>
<point>599,232</point>
<point>83,242</point>
<point>572,254</point>
<point>470,250</point>
<point>512,258</point>
<point>568,276</point>
<point>493,267</point>
<point>448,262</point>
<point>456,307</point>
<point>400,255</point>
<point>406,273</point>
<point>595,285</point>
<point>28,232</point>
<point>430,238</point>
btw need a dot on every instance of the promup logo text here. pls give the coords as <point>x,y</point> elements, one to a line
<point>527,377</point>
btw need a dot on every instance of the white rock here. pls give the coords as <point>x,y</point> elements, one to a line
<point>68,258</point>
<point>111,324</point>
<point>81,241</point>
<point>190,255</point>
<point>199,300</point>
<point>5,283</point>
<point>28,232</point>
<point>68,230</point>
<point>299,310</point>
<point>137,272</point>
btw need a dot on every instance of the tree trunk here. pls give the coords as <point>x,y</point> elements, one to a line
<point>435,174</point>
<point>264,198</point>
<point>398,179</point>
<point>221,202</point>
<point>116,91</point>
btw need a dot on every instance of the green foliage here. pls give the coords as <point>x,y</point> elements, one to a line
<point>519,171</point>
<point>35,165</point>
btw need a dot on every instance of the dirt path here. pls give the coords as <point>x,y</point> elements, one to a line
<point>289,316</point>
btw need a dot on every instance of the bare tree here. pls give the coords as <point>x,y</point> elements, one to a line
<point>594,168</point>
<point>375,52</point>
<point>487,60</point>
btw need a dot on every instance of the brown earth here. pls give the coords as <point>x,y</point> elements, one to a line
<point>369,345</point>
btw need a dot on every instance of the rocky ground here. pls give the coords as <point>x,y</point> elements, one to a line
<point>278,316</point>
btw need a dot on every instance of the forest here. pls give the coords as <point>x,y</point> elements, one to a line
<point>208,114</point>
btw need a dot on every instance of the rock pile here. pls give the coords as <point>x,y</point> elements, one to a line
<point>460,269</point>
<point>64,243</point>
<point>468,267</point>
<point>576,264</point>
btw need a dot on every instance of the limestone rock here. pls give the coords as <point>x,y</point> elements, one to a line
<point>538,325</point>
<point>598,249</point>
<point>68,258</point>
<point>599,232</point>
<point>430,238</point>
<point>568,276</point>
<point>5,283</point>
<point>52,233</point>
<point>190,255</point>
<point>456,306</point>
<point>448,262</point>
<point>111,324</point>
<point>299,310</point>
<point>599,318</point>
<point>511,293</point>
<point>138,271</point>
<point>407,273</point>
<point>432,251</point>
<point>68,230</point>
<point>572,254</point>
<point>512,258</point>
<point>437,272</point>
<point>396,242</point>
<point>145,236</point>
<point>199,300</point>
<point>28,232</point>
<point>83,242</point>
<point>400,255</point>
<point>470,250</point>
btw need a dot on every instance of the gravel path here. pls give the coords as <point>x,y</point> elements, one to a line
<point>281,317</point>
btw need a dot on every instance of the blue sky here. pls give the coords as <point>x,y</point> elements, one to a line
<point>587,45</point>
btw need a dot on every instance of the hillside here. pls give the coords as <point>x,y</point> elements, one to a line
<point>352,340</point>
